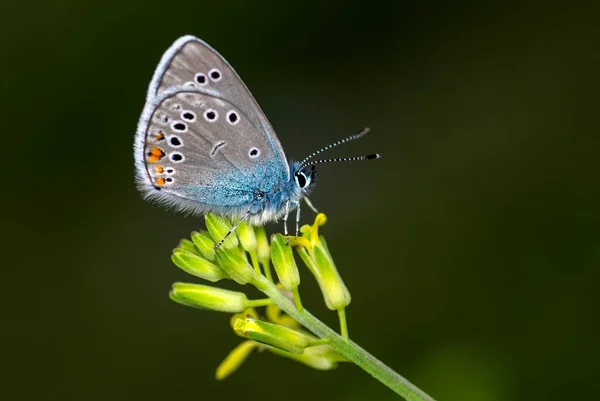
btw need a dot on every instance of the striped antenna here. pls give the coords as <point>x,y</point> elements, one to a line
<point>362,132</point>
<point>344,159</point>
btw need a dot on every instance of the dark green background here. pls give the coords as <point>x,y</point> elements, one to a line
<point>471,248</point>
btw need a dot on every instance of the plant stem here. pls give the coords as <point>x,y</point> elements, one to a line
<point>343,323</point>
<point>352,351</point>
<point>297,300</point>
<point>254,258</point>
<point>257,303</point>
<point>267,269</point>
<point>320,341</point>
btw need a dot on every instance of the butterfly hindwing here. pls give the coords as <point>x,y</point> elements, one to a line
<point>202,153</point>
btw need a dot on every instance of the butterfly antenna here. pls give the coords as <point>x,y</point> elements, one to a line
<point>344,159</point>
<point>362,132</point>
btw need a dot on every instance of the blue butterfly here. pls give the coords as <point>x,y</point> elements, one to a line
<point>204,145</point>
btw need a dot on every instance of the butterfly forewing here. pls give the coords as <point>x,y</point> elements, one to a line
<point>192,64</point>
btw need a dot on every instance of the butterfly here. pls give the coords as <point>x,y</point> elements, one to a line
<point>204,145</point>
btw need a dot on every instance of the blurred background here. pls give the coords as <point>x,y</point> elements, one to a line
<point>471,249</point>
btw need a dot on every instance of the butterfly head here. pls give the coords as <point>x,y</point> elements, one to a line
<point>305,178</point>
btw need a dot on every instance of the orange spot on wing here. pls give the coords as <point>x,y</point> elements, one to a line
<point>159,136</point>
<point>155,155</point>
<point>158,169</point>
<point>160,181</point>
<point>157,152</point>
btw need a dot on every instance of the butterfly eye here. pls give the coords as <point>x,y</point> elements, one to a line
<point>301,180</point>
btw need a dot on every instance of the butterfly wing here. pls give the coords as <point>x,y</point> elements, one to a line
<point>201,153</point>
<point>191,63</point>
<point>216,155</point>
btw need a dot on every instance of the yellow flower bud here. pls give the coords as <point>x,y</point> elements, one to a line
<point>205,244</point>
<point>246,236</point>
<point>210,298</point>
<point>272,334</point>
<point>235,358</point>
<point>196,265</point>
<point>283,260</point>
<point>218,228</point>
<point>235,265</point>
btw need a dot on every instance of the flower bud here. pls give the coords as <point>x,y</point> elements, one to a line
<point>236,357</point>
<point>204,244</point>
<point>196,265</point>
<point>262,245</point>
<point>319,261</point>
<point>332,286</point>
<point>283,260</point>
<point>250,312</point>
<point>271,334</point>
<point>245,234</point>
<point>218,228</point>
<point>188,246</point>
<point>235,265</point>
<point>207,297</point>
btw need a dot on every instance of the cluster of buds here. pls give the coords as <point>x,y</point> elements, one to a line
<point>246,257</point>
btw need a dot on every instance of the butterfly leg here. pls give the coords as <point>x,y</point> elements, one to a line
<point>232,229</point>
<point>285,218</point>
<point>297,218</point>
<point>310,205</point>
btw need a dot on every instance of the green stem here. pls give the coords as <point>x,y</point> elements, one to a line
<point>352,351</point>
<point>297,300</point>
<point>320,341</point>
<point>267,269</point>
<point>257,303</point>
<point>343,322</point>
<point>254,258</point>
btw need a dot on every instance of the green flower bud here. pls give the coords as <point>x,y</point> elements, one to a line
<point>272,334</point>
<point>207,297</point>
<point>263,250</point>
<point>235,265</point>
<point>188,246</point>
<point>319,261</point>
<point>334,290</point>
<point>196,265</point>
<point>236,357</point>
<point>283,260</point>
<point>218,228</point>
<point>245,234</point>
<point>205,244</point>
